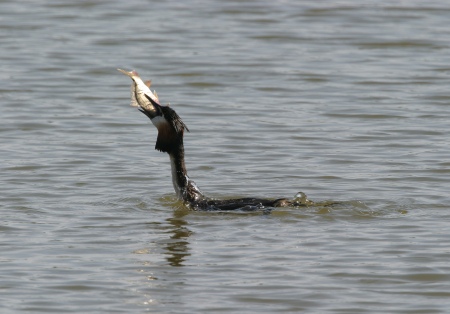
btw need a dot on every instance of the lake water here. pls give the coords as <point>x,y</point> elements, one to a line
<point>346,101</point>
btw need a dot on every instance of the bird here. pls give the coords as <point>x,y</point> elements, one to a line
<point>169,140</point>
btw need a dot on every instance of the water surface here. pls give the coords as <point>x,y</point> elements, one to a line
<point>344,101</point>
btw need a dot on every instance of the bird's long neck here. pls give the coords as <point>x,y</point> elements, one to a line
<point>170,140</point>
<point>179,172</point>
<point>185,188</point>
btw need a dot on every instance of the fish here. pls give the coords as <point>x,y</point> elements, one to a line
<point>141,95</point>
<point>169,124</point>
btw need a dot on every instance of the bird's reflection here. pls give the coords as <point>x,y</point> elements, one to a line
<point>178,246</point>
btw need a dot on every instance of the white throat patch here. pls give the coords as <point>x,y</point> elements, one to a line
<point>159,121</point>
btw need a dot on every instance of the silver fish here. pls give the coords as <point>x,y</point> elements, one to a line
<point>140,92</point>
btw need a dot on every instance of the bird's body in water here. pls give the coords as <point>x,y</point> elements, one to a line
<point>170,140</point>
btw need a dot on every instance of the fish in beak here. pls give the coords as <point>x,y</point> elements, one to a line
<point>170,126</point>
<point>141,95</point>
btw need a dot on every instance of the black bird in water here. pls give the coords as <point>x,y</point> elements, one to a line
<point>170,140</point>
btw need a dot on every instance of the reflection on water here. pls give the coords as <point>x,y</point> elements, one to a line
<point>178,247</point>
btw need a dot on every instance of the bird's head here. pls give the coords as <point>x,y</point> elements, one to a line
<point>165,119</point>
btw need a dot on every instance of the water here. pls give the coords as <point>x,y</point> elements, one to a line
<point>346,101</point>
